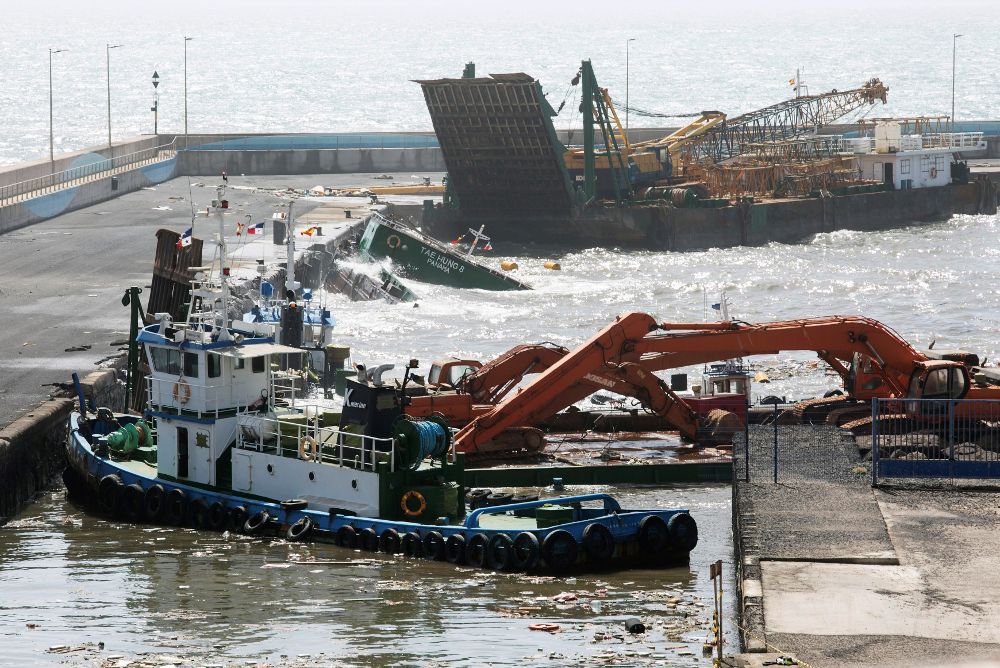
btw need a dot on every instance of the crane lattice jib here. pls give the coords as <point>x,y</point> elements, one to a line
<point>785,120</point>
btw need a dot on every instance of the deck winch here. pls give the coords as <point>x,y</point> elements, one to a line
<point>130,438</point>
<point>420,439</point>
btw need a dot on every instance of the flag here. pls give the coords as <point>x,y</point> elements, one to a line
<point>791,82</point>
<point>487,247</point>
<point>239,229</point>
<point>458,240</point>
<point>256,229</point>
<point>308,233</point>
<point>185,239</point>
<point>717,307</point>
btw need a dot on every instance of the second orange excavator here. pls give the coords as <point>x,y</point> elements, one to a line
<point>872,360</point>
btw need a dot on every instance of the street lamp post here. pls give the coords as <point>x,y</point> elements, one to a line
<point>52,157</point>
<point>156,102</point>
<point>628,43</point>
<point>954,47</point>
<point>186,40</point>
<point>108,48</point>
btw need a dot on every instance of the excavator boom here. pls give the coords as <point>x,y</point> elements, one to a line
<point>631,348</point>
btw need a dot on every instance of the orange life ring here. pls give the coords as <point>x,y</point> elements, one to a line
<point>551,628</point>
<point>182,391</point>
<point>392,241</point>
<point>307,448</point>
<point>405,503</point>
<point>934,172</point>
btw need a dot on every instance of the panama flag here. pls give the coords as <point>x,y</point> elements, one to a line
<point>258,228</point>
<point>185,239</point>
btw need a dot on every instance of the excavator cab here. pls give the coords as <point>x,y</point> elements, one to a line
<point>939,379</point>
<point>865,379</point>
<point>451,372</point>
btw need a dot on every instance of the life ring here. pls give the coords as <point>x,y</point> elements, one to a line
<point>307,448</point>
<point>392,241</point>
<point>934,172</point>
<point>551,628</point>
<point>182,391</point>
<point>404,503</point>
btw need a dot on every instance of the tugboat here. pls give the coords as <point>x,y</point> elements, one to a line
<point>422,258</point>
<point>226,443</point>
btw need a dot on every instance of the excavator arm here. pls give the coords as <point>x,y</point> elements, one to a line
<point>631,340</point>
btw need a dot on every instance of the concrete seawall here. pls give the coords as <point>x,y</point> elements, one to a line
<point>310,161</point>
<point>33,447</point>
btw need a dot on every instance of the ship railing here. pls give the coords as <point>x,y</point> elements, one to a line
<point>48,183</point>
<point>305,439</point>
<point>183,394</point>
<point>960,140</point>
<point>284,389</point>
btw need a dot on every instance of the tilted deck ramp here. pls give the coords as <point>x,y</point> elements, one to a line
<point>499,145</point>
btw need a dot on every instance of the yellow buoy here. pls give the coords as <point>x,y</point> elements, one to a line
<point>761,377</point>
<point>554,266</point>
<point>508,265</point>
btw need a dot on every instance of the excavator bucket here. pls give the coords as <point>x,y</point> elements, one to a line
<point>718,427</point>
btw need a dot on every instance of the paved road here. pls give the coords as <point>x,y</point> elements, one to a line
<point>63,279</point>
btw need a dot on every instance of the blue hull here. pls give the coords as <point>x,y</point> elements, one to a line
<point>624,538</point>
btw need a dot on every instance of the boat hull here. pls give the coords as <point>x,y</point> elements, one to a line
<point>123,490</point>
<point>430,261</point>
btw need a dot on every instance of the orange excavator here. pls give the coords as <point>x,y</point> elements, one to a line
<point>872,360</point>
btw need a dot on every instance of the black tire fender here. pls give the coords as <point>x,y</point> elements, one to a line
<point>654,537</point>
<point>454,549</point>
<point>475,550</point>
<point>154,502</point>
<point>256,522</point>
<point>388,541</point>
<point>498,552</point>
<point>347,536</point>
<point>109,493</point>
<point>134,498</point>
<point>412,545</point>
<point>237,517</point>
<point>300,529</point>
<point>560,550</point>
<point>525,551</point>
<point>433,544</point>
<point>598,542</point>
<point>177,505</point>
<point>218,516</point>
<point>368,539</point>
<point>683,531</point>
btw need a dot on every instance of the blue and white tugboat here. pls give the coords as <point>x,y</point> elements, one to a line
<point>225,443</point>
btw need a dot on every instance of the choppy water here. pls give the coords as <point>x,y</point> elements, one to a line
<point>929,282</point>
<point>74,580</point>
<point>309,66</point>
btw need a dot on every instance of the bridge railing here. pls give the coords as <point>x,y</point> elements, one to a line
<point>41,185</point>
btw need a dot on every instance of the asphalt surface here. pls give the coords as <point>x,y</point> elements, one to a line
<point>64,278</point>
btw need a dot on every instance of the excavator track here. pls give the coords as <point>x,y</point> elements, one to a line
<point>815,411</point>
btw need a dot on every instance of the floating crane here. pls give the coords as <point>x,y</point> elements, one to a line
<point>782,121</point>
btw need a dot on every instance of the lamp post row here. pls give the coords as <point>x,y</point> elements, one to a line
<point>154,108</point>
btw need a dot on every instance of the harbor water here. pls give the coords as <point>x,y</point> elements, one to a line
<point>304,66</point>
<point>169,596</point>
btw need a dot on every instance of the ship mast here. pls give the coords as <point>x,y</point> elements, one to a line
<point>220,205</point>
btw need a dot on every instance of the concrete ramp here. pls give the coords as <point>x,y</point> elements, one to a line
<point>499,146</point>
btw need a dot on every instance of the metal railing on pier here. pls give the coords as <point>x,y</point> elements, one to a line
<point>935,438</point>
<point>13,193</point>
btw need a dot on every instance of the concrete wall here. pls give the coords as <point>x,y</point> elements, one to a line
<point>47,206</point>
<point>322,161</point>
<point>33,447</point>
<point>39,168</point>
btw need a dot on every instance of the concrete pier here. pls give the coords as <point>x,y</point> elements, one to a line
<point>840,574</point>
